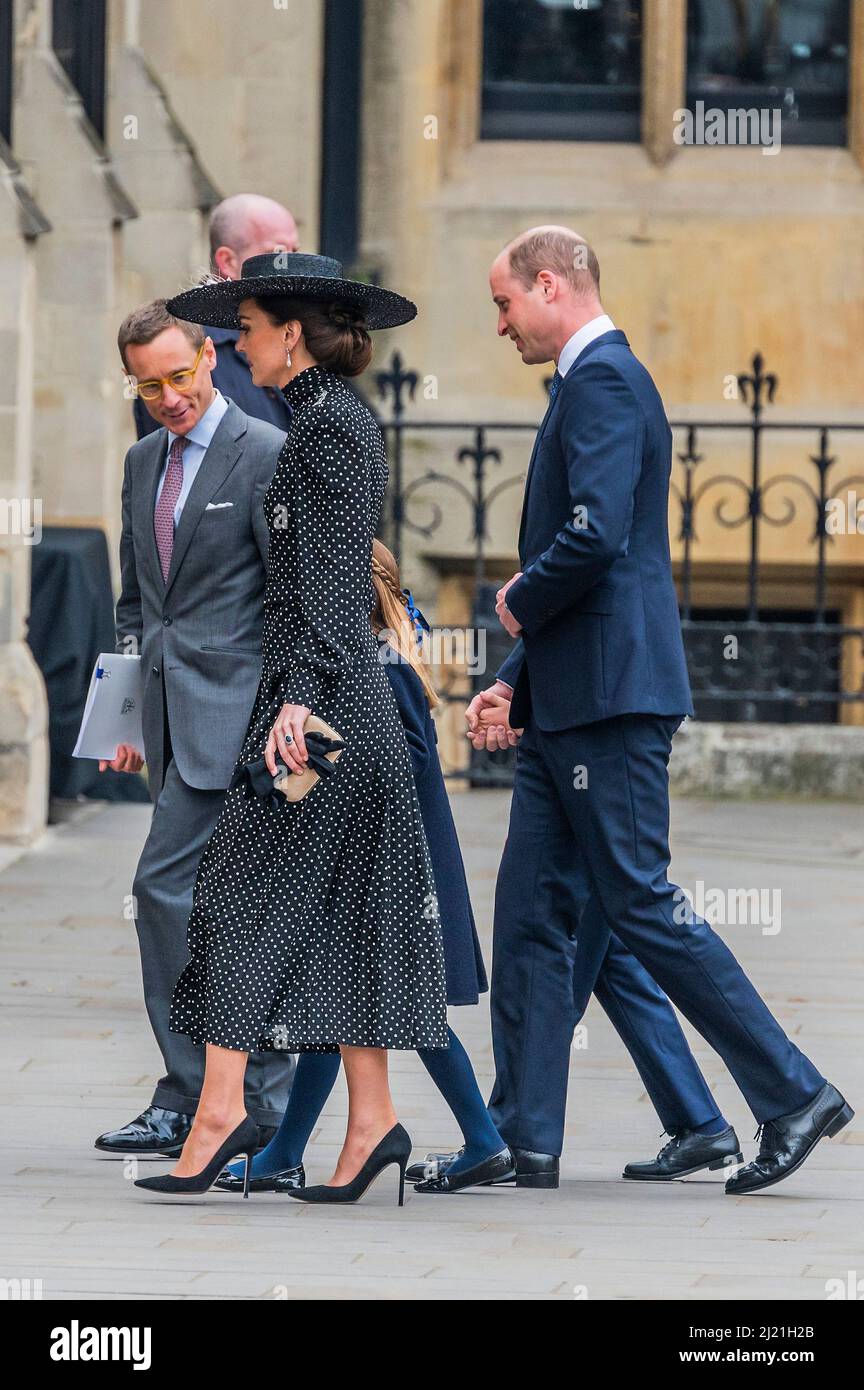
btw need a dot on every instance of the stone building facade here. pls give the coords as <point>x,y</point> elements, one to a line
<point>123,121</point>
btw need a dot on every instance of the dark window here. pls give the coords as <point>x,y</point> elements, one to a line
<point>561,69</point>
<point>6,58</point>
<point>341,124</point>
<point>79,42</point>
<point>788,670</point>
<point>786,55</point>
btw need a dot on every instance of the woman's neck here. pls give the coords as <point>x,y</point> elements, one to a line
<point>300,360</point>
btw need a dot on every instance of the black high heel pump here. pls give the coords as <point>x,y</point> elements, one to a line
<point>395,1147</point>
<point>242,1140</point>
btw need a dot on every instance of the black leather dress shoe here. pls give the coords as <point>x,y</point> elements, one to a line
<point>277,1182</point>
<point>532,1169</point>
<point>289,1179</point>
<point>154,1131</point>
<point>432,1166</point>
<point>496,1168</point>
<point>688,1152</point>
<point>535,1170</point>
<point>789,1140</point>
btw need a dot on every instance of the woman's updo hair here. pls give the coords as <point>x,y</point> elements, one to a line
<point>335,332</point>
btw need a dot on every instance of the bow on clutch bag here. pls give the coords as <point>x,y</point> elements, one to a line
<point>324,746</point>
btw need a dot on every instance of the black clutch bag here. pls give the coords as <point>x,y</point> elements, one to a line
<point>324,746</point>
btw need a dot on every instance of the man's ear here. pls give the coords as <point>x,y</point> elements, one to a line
<point>225,261</point>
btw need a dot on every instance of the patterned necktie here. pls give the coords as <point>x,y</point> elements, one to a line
<point>163,518</point>
<point>555,385</point>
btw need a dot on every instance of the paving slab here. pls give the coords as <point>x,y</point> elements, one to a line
<point>77,1058</point>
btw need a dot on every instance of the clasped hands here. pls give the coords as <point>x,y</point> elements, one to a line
<point>488,714</point>
<point>488,717</point>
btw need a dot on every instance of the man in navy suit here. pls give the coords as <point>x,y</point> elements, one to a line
<point>599,686</point>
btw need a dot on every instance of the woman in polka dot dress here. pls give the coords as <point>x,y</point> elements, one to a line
<point>315,923</point>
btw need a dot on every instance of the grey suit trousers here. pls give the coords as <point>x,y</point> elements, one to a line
<point>183,820</point>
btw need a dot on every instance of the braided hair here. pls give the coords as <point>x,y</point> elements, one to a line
<point>390,615</point>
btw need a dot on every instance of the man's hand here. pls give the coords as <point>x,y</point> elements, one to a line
<point>488,717</point>
<point>505,617</point>
<point>126,759</point>
<point>289,723</point>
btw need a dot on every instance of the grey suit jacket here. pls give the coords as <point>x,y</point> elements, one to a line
<point>199,634</point>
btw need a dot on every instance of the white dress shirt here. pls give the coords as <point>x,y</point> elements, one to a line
<point>197,443</point>
<point>580,340</point>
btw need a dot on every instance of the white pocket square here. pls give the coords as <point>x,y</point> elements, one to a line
<point>212,506</point>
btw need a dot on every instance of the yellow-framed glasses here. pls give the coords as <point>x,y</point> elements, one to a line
<point>181,381</point>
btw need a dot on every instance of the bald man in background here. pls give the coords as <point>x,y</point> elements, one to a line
<point>243,225</point>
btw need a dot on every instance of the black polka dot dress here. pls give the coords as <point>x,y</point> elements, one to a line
<point>315,922</point>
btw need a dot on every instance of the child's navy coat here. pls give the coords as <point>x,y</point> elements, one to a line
<point>466,975</point>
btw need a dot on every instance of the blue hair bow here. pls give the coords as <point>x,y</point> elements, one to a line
<point>420,623</point>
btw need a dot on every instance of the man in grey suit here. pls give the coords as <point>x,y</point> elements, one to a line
<point>193,557</point>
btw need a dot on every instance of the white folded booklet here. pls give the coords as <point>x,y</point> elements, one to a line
<point>112,714</point>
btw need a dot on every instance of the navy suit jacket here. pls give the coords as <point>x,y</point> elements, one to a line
<point>601,631</point>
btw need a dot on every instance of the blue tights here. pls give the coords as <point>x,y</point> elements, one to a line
<point>450,1069</point>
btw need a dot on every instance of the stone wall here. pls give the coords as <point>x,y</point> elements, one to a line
<point>244,81</point>
<point>809,761</point>
<point>707,254</point>
<point>23,708</point>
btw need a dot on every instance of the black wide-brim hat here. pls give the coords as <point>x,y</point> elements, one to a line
<point>293,273</point>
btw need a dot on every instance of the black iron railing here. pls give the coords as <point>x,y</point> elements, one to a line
<point>754,660</point>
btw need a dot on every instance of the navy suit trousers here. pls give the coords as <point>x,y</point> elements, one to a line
<point>588,850</point>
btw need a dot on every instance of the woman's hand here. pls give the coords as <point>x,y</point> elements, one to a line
<point>289,725</point>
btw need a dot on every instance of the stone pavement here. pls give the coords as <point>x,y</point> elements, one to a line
<point>77,1058</point>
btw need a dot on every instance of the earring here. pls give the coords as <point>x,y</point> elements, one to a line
<point>287,357</point>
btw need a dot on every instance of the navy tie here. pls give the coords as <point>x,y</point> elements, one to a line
<point>555,385</point>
